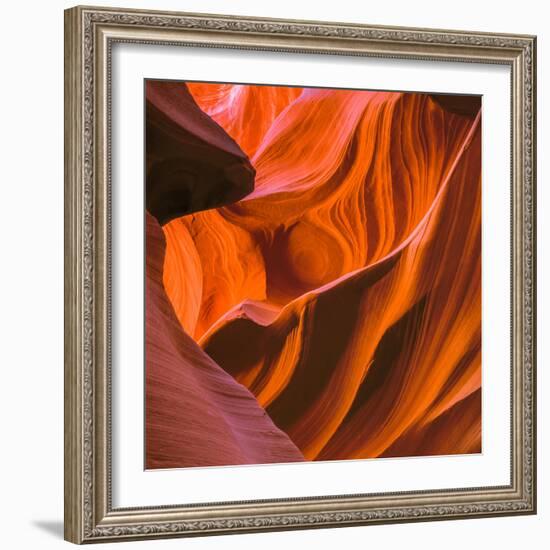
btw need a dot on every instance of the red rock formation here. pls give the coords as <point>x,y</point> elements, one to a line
<point>196,414</point>
<point>345,290</point>
<point>246,112</point>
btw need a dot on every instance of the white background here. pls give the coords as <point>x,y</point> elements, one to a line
<point>31,285</point>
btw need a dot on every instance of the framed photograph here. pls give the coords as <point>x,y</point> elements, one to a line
<point>300,274</point>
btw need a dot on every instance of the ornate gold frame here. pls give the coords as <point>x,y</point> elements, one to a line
<point>89,35</point>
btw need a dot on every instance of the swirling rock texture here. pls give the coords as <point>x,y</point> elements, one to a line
<point>337,296</point>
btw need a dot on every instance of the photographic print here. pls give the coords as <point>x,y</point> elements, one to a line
<point>300,274</point>
<point>313,274</point>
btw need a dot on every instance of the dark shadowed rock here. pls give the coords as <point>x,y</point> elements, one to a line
<point>465,105</point>
<point>192,163</point>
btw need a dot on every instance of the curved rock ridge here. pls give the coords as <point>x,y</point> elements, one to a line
<point>196,413</point>
<point>344,290</point>
<point>246,112</point>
